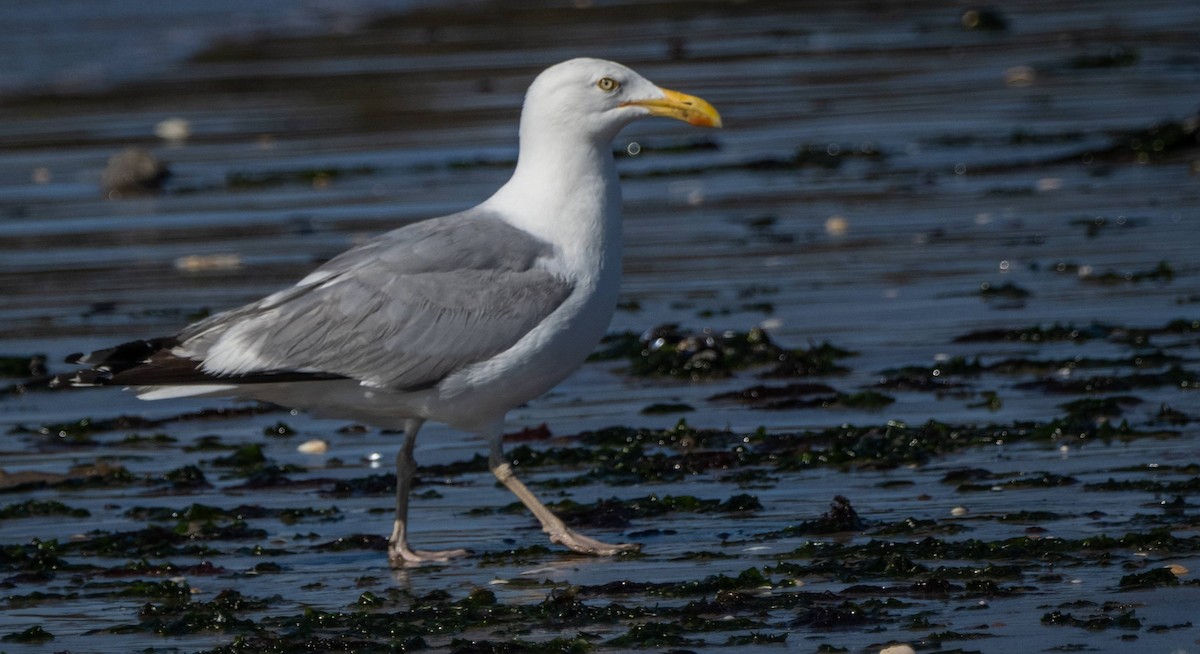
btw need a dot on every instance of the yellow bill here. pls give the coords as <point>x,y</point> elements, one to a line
<point>682,106</point>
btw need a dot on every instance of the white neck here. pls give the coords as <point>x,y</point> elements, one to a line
<point>565,191</point>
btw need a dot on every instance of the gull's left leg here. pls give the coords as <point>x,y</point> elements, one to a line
<point>406,468</point>
<point>551,524</point>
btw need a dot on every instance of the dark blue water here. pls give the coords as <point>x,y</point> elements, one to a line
<point>950,163</point>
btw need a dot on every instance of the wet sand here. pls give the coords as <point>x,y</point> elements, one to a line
<point>999,224</point>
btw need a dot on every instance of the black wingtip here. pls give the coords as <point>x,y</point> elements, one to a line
<point>74,358</point>
<point>80,379</point>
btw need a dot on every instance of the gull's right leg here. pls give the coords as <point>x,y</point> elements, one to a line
<point>406,468</point>
<point>551,524</point>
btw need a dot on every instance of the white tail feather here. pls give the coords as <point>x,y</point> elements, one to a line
<point>191,390</point>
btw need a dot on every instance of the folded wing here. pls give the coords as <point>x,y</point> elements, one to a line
<point>401,312</point>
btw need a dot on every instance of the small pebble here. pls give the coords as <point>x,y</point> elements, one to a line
<point>204,262</point>
<point>173,129</point>
<point>1020,76</point>
<point>898,649</point>
<point>1177,569</point>
<point>1049,184</point>
<point>984,19</point>
<point>837,225</point>
<point>958,511</point>
<point>133,171</point>
<point>314,446</point>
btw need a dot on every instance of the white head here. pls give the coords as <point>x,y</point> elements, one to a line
<point>594,99</point>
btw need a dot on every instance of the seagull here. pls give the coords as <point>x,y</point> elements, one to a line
<point>456,319</point>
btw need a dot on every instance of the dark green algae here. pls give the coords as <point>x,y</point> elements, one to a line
<point>762,600</point>
<point>1070,332</point>
<point>34,634</point>
<point>888,566</point>
<point>89,426</point>
<point>22,366</point>
<point>615,512</point>
<point>671,351</point>
<point>625,455</point>
<point>385,623</point>
<point>396,620</point>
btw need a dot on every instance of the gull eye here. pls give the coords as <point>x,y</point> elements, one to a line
<point>608,84</point>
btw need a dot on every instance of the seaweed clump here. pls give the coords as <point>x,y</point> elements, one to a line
<point>670,351</point>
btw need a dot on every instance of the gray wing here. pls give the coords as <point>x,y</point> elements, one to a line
<point>402,311</point>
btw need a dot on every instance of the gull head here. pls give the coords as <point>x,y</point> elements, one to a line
<point>596,98</point>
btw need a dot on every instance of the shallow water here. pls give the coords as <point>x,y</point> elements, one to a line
<point>934,160</point>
